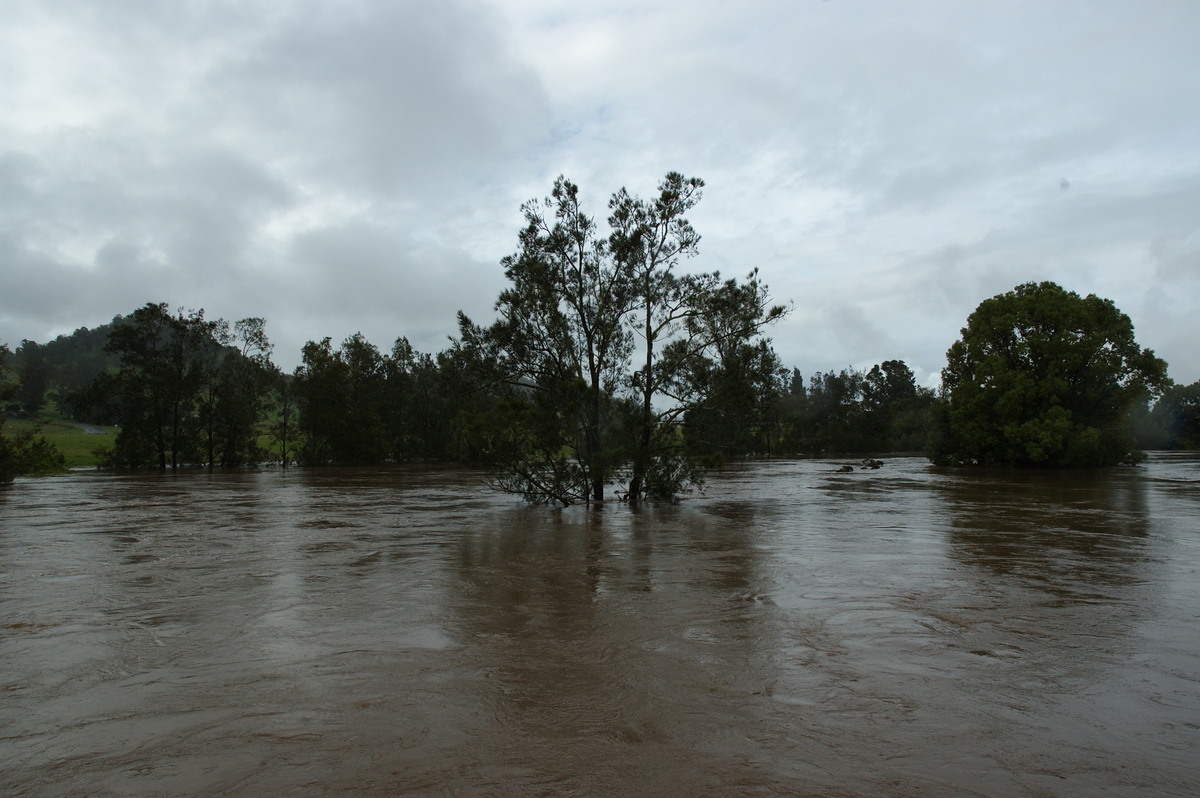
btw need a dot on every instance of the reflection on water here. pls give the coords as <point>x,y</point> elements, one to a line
<point>1061,527</point>
<point>795,631</point>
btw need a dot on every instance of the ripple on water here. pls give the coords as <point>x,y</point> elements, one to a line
<point>905,631</point>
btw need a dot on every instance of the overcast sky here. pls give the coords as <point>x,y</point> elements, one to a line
<point>359,165</point>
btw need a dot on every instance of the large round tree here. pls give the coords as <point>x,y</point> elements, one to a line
<point>1044,377</point>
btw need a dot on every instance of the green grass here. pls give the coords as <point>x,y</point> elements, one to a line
<point>76,445</point>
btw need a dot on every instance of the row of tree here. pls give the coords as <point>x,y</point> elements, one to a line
<point>183,389</point>
<point>606,366</point>
<point>187,390</point>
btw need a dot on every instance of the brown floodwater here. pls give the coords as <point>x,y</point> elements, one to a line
<point>791,631</point>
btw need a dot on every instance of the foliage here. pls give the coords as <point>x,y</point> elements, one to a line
<point>237,381</point>
<point>1176,417</point>
<point>284,428</point>
<point>574,414</point>
<point>187,390</point>
<point>25,452</point>
<point>1042,376</point>
<point>420,405</point>
<point>851,411</point>
<point>725,378</point>
<point>55,371</point>
<point>340,397</point>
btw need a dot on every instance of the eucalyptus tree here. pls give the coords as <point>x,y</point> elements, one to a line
<point>718,370</point>
<point>244,379</point>
<point>649,238</point>
<point>577,414</point>
<point>561,341</point>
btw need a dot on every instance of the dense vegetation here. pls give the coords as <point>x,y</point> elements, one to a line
<point>605,368</point>
<point>1042,376</point>
<point>25,452</point>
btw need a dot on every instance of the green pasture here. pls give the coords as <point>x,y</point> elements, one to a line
<point>77,445</point>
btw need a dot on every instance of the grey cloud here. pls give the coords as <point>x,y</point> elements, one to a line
<point>246,115</point>
<point>359,166</point>
<point>391,97</point>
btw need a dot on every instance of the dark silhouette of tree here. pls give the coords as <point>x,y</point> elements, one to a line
<point>157,384</point>
<point>575,414</point>
<point>1042,376</point>
<point>33,378</point>
<point>648,240</point>
<point>340,394</point>
<point>244,379</point>
<point>284,428</point>
<point>722,375</point>
<point>187,391</point>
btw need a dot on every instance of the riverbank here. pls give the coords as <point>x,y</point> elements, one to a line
<point>78,442</point>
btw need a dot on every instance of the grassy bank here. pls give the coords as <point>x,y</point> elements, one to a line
<point>77,445</point>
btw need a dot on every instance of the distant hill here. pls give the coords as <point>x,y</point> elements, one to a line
<point>50,372</point>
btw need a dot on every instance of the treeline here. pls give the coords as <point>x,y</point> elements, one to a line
<point>49,373</point>
<point>24,452</point>
<point>188,390</point>
<point>850,411</point>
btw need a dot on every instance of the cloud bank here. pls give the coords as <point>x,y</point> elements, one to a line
<point>359,166</point>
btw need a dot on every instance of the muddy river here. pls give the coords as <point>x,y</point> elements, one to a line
<point>791,631</point>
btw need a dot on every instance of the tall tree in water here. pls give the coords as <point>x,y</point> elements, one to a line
<point>561,337</point>
<point>578,415</point>
<point>648,239</point>
<point>1042,376</point>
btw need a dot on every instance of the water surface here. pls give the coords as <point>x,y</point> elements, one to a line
<point>792,631</point>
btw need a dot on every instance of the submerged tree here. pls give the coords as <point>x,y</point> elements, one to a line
<point>562,345</point>
<point>1042,376</point>
<point>576,414</point>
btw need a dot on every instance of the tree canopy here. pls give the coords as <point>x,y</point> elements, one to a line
<point>574,414</point>
<point>188,390</point>
<point>1044,377</point>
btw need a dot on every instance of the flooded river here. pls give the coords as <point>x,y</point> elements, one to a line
<point>792,631</point>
